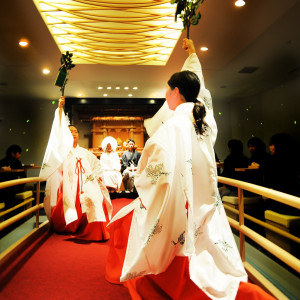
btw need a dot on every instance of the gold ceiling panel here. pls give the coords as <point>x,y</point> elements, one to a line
<point>113,32</point>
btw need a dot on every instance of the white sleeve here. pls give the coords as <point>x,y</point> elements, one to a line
<point>192,64</point>
<point>95,165</point>
<point>97,171</point>
<point>163,114</point>
<point>116,162</point>
<point>59,145</point>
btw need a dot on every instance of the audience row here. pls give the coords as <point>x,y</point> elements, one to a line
<point>278,169</point>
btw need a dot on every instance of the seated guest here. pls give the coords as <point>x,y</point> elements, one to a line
<point>282,171</point>
<point>130,159</point>
<point>76,201</point>
<point>236,159</point>
<point>259,157</point>
<point>257,148</point>
<point>9,162</point>
<point>12,161</point>
<point>110,164</point>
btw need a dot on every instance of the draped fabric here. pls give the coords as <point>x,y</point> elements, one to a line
<point>174,283</point>
<point>192,64</point>
<point>179,211</point>
<point>75,175</point>
<point>111,166</point>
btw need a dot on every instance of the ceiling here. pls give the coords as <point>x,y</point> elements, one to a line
<point>112,32</point>
<point>263,35</point>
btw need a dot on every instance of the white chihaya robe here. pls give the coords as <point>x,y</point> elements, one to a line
<point>111,166</point>
<point>66,166</point>
<point>177,170</point>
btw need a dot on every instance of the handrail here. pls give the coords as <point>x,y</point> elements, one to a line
<point>13,182</point>
<point>287,199</point>
<point>275,195</point>
<point>264,224</point>
<point>27,212</point>
<point>283,255</point>
<point>25,202</point>
<point>21,215</point>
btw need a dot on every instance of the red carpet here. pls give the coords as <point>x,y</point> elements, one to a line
<point>59,267</point>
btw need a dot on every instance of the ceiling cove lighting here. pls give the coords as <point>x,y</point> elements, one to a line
<point>113,32</point>
<point>239,3</point>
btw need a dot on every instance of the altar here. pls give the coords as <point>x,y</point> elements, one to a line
<point>121,128</point>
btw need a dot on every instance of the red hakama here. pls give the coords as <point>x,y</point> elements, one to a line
<point>174,283</point>
<point>80,228</point>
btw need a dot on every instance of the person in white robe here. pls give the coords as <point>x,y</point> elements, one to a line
<point>110,164</point>
<point>179,212</point>
<point>74,182</point>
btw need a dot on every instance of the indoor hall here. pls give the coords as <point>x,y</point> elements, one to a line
<point>251,69</point>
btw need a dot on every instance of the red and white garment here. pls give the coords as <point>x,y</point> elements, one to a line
<point>74,176</point>
<point>179,212</point>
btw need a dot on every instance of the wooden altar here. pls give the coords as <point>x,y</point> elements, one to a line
<point>121,128</point>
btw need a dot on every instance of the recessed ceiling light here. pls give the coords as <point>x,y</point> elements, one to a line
<point>203,48</point>
<point>109,87</point>
<point>126,88</point>
<point>46,71</point>
<point>239,3</point>
<point>23,42</point>
<point>135,87</point>
<point>100,87</point>
<point>79,95</point>
<point>129,95</point>
<point>117,87</point>
<point>105,95</point>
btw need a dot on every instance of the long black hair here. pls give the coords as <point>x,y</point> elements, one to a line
<point>188,84</point>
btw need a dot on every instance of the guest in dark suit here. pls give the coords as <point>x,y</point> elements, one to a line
<point>236,159</point>
<point>9,162</point>
<point>130,159</point>
<point>282,171</point>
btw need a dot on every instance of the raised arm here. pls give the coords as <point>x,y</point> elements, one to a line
<point>188,46</point>
<point>192,64</point>
<point>60,142</point>
<point>61,103</point>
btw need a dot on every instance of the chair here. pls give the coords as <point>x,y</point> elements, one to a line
<point>287,223</point>
<point>253,206</point>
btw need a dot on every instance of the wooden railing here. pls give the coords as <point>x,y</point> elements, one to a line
<point>7,256</point>
<point>26,212</point>
<point>244,231</point>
